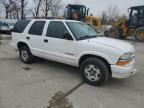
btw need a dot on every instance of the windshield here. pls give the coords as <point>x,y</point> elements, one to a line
<point>79,10</point>
<point>138,12</point>
<point>81,31</point>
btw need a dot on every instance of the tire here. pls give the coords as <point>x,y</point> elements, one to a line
<point>26,55</point>
<point>116,32</point>
<point>94,71</point>
<point>106,33</point>
<point>139,34</point>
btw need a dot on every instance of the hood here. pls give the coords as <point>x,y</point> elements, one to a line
<point>115,43</point>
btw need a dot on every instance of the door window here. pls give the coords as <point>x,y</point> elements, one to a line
<point>37,28</point>
<point>56,29</point>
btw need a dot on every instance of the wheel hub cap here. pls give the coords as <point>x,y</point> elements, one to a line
<point>113,34</point>
<point>92,72</point>
<point>24,55</point>
<point>141,35</point>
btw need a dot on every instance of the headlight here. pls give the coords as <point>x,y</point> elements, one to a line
<point>124,59</point>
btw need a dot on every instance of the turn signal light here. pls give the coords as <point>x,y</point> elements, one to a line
<point>122,63</point>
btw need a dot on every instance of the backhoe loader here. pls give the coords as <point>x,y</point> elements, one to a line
<point>134,26</point>
<point>81,13</point>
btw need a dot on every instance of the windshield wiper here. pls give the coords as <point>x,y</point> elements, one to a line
<point>86,37</point>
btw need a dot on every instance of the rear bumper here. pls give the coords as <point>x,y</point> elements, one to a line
<point>123,72</point>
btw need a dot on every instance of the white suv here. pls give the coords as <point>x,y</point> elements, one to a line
<point>74,43</point>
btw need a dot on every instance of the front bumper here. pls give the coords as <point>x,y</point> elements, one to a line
<point>123,72</point>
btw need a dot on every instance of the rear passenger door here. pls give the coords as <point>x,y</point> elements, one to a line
<point>35,38</point>
<point>57,48</point>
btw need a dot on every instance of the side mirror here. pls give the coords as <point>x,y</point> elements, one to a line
<point>87,13</point>
<point>67,36</point>
<point>128,10</point>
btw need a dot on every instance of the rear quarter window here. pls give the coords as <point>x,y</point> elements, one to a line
<point>20,26</point>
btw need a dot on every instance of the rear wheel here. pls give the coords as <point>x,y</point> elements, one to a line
<point>139,34</point>
<point>116,32</point>
<point>25,55</point>
<point>94,71</point>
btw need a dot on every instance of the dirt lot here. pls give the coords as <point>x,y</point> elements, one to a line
<point>32,86</point>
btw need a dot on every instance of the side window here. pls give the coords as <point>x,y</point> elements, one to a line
<point>37,28</point>
<point>20,26</point>
<point>134,12</point>
<point>56,29</point>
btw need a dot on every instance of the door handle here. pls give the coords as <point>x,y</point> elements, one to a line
<point>28,38</point>
<point>45,40</point>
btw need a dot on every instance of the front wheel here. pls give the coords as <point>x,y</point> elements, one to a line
<point>94,71</point>
<point>115,32</point>
<point>139,34</point>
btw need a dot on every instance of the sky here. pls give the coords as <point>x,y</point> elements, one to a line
<point>97,6</point>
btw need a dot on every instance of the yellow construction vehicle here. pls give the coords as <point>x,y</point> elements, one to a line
<point>134,26</point>
<point>80,13</point>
